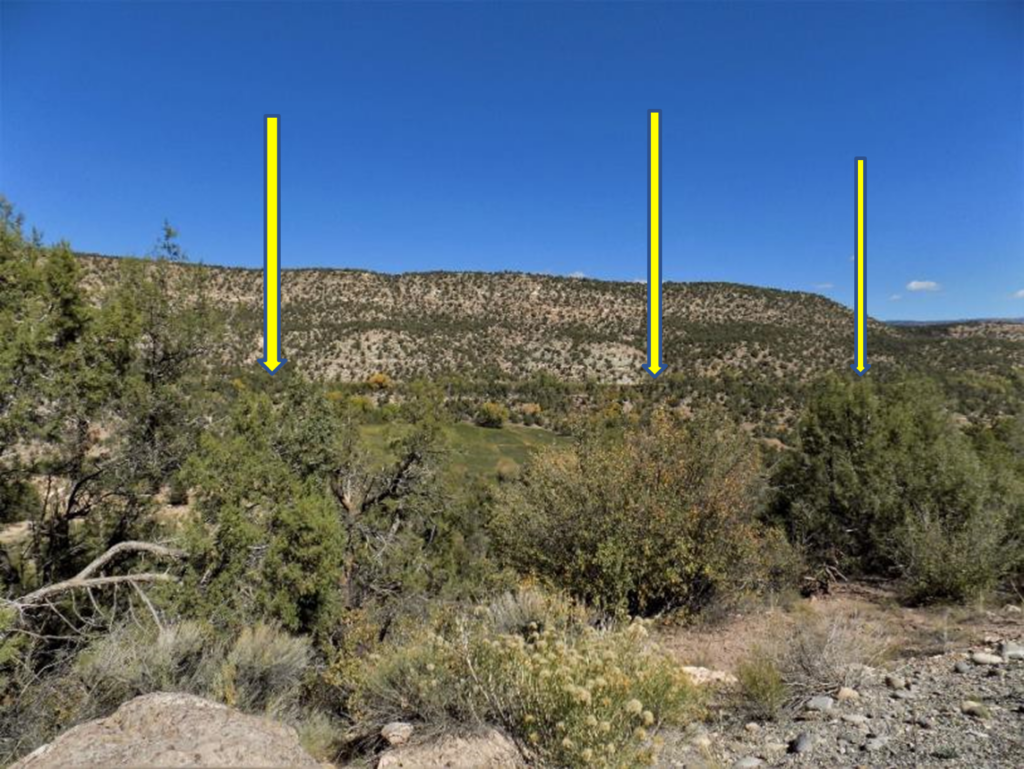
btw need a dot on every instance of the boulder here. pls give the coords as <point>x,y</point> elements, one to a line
<point>170,730</point>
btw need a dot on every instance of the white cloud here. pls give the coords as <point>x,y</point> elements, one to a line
<point>577,274</point>
<point>1018,294</point>
<point>824,286</point>
<point>923,285</point>
<point>895,297</point>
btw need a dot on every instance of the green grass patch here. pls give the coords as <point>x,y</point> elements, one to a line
<point>478,452</point>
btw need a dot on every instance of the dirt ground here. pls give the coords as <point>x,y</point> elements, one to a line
<point>914,631</point>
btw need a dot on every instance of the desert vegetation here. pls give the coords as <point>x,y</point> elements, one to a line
<point>326,546</point>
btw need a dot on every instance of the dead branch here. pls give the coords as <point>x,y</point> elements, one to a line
<point>85,579</point>
<point>39,596</point>
<point>128,547</point>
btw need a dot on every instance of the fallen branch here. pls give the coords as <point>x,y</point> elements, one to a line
<point>39,596</point>
<point>128,547</point>
<point>85,580</point>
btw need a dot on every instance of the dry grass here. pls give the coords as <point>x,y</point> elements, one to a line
<point>823,654</point>
<point>807,654</point>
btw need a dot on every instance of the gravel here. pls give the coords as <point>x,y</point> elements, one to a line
<point>951,710</point>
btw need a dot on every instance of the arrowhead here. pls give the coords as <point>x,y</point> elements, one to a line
<point>272,365</point>
<point>652,369</point>
<point>861,369</point>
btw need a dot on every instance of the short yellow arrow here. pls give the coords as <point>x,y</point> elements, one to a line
<point>861,365</point>
<point>271,360</point>
<point>653,365</point>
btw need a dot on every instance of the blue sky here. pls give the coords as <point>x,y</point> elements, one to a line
<point>514,136</point>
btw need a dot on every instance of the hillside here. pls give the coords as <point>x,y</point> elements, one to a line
<point>345,325</point>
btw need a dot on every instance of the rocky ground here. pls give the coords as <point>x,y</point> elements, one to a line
<point>952,696</point>
<point>962,708</point>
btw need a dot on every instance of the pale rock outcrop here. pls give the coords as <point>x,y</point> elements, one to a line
<point>173,730</point>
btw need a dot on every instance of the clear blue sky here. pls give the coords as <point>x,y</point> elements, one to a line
<point>514,136</point>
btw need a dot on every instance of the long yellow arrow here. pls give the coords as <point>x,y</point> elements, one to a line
<point>653,365</point>
<point>862,291</point>
<point>271,263</point>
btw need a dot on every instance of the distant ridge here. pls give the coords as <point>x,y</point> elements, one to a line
<point>959,322</point>
<point>346,324</point>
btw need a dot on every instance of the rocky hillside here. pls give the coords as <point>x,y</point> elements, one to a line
<point>348,324</point>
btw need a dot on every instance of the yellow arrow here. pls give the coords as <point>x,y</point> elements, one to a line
<point>653,365</point>
<point>271,360</point>
<point>861,365</point>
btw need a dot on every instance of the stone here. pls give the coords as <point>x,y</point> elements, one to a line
<point>925,723</point>
<point>803,743</point>
<point>752,727</point>
<point>168,729</point>
<point>876,743</point>
<point>855,718</point>
<point>1011,651</point>
<point>846,693</point>
<point>962,667</point>
<point>975,709</point>
<point>895,681</point>
<point>489,748</point>
<point>984,658</point>
<point>850,735</point>
<point>705,676</point>
<point>397,732</point>
<point>748,763</point>
<point>819,704</point>
<point>902,694</point>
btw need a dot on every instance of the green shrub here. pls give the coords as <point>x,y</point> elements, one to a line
<point>130,661</point>
<point>568,694</point>
<point>661,518</point>
<point>946,559</point>
<point>263,670</point>
<point>491,414</point>
<point>885,482</point>
<point>529,609</point>
<point>761,685</point>
<point>177,494</point>
<point>303,566</point>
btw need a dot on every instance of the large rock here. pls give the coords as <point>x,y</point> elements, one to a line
<point>489,749</point>
<point>165,730</point>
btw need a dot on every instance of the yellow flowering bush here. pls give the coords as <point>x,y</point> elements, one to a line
<point>568,696</point>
